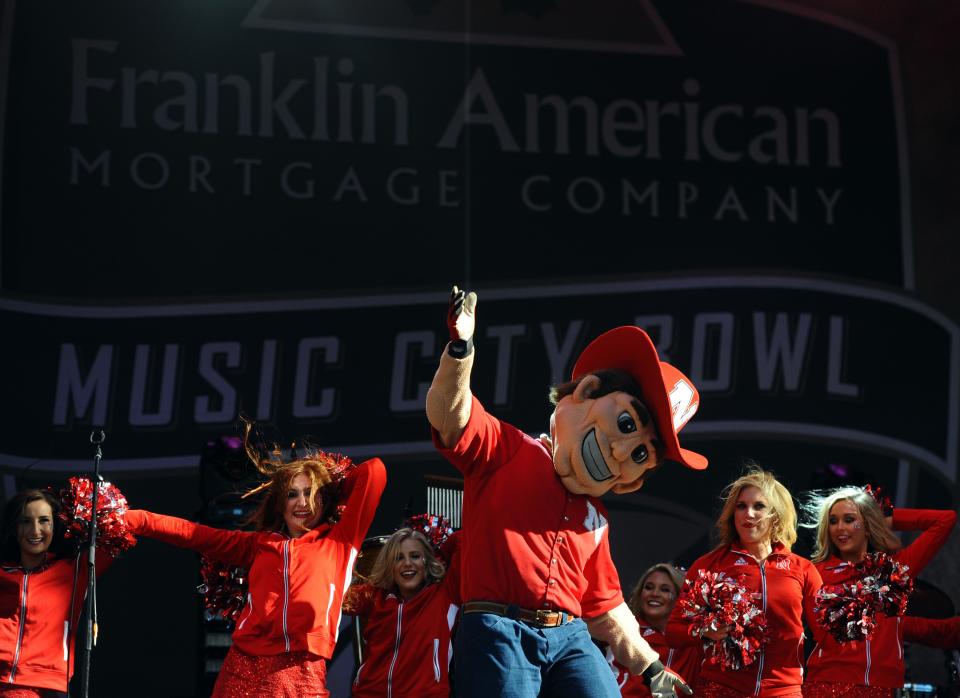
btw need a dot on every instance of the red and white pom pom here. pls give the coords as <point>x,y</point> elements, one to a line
<point>844,612</point>
<point>879,585</point>
<point>886,506</point>
<point>888,582</point>
<point>113,535</point>
<point>714,601</point>
<point>224,590</point>
<point>436,528</point>
<point>339,467</point>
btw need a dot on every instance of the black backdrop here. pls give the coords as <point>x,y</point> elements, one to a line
<point>222,207</point>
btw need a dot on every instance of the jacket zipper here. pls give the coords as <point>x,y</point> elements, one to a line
<point>396,650</point>
<point>286,591</point>
<point>866,675</point>
<point>249,611</point>
<point>356,681</point>
<point>763,598</point>
<point>436,659</point>
<point>23,623</point>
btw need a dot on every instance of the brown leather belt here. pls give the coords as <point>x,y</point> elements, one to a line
<point>541,618</point>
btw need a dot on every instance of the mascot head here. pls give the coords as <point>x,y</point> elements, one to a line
<point>617,419</point>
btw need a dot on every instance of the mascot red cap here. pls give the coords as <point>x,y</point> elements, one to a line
<point>668,394</point>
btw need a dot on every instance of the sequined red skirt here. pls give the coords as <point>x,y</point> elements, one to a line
<point>293,675</point>
<point>824,689</point>
<point>709,689</point>
<point>13,691</point>
<point>9,691</point>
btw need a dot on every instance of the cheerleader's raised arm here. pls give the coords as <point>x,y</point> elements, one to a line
<point>850,524</point>
<point>314,512</point>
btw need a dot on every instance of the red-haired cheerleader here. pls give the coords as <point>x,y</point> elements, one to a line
<point>850,523</point>
<point>408,606</point>
<point>757,527</point>
<point>299,565</point>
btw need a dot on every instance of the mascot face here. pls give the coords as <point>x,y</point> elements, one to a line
<point>601,444</point>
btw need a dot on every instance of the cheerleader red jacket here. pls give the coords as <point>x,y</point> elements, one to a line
<point>879,660</point>
<point>684,661</point>
<point>296,584</point>
<point>408,643</point>
<point>36,629</point>
<point>785,585</point>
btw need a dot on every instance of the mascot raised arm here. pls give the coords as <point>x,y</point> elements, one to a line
<point>538,580</point>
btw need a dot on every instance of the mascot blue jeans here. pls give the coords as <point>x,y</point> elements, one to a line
<point>499,656</point>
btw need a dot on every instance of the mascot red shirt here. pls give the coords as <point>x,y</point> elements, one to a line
<point>538,580</point>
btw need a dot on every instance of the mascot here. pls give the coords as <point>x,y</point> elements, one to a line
<point>538,581</point>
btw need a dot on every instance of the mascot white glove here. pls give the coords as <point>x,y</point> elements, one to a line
<point>662,681</point>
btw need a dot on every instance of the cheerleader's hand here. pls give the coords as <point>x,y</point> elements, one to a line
<point>662,681</point>
<point>717,635</point>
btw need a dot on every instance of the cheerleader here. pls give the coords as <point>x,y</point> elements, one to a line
<point>652,601</point>
<point>408,607</point>
<point>756,528</point>
<point>299,564</point>
<point>37,575</point>
<point>849,524</point>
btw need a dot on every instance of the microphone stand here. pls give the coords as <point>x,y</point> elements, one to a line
<point>97,437</point>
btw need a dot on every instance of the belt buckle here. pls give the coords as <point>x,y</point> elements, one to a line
<point>544,619</point>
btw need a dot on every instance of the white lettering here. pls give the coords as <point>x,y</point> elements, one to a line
<point>687,193</point>
<point>140,393</point>
<point>447,189</point>
<point>613,125</point>
<point>203,413</point>
<point>559,353</point>
<point>350,183</point>
<point>651,194</point>
<point>413,196</point>
<point>270,105</point>
<point>504,336</point>
<point>594,195</point>
<point>185,103</point>
<point>713,345</point>
<point>306,377</point>
<point>829,202</point>
<point>306,191</point>
<point>79,392</point>
<point>246,165</point>
<point>525,193</point>
<point>774,201</point>
<point>835,382</point>
<point>77,160</point>
<point>479,88</point>
<point>268,367</point>
<point>419,344</point>
<point>710,140</point>
<point>81,81</point>
<point>561,127</point>
<point>161,177</point>
<point>730,202</point>
<point>199,170</point>
<point>779,352</point>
